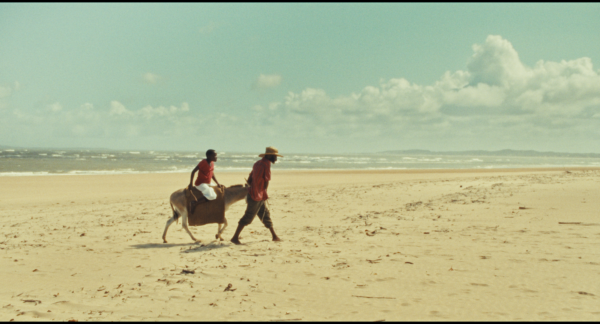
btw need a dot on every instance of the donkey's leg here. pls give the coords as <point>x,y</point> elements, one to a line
<point>184,222</point>
<point>221,230</point>
<point>169,222</point>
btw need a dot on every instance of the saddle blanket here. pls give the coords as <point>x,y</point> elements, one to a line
<point>207,211</point>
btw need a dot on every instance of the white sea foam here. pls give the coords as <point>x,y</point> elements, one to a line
<point>388,168</point>
<point>20,174</point>
<point>231,169</point>
<point>86,172</point>
<point>134,162</point>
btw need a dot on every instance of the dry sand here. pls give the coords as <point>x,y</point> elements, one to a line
<point>380,245</point>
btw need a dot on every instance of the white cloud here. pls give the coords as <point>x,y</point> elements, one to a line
<point>55,107</point>
<point>481,95</point>
<point>274,105</point>
<point>208,28</point>
<point>79,130</point>
<point>115,121</point>
<point>496,63</point>
<point>5,92</point>
<point>149,112</point>
<point>118,109</point>
<point>151,77</point>
<point>267,81</point>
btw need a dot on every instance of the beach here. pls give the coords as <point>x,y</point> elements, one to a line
<point>394,245</point>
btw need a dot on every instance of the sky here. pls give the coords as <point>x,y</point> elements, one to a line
<point>304,78</point>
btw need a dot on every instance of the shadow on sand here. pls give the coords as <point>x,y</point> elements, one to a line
<point>192,247</point>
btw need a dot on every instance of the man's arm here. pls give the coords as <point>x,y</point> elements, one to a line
<point>217,182</point>
<point>266,184</point>
<point>192,177</point>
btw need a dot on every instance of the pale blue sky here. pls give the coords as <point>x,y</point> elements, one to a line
<point>301,77</point>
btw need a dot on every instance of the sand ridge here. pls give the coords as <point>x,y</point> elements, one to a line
<point>461,245</point>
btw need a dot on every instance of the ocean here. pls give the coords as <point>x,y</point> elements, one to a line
<point>35,162</point>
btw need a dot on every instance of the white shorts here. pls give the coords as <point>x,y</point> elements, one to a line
<point>207,191</point>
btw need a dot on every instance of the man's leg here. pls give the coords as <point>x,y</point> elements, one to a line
<point>275,237</point>
<point>236,237</point>
<point>265,216</point>
<point>251,210</point>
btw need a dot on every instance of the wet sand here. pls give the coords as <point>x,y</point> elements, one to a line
<point>357,245</point>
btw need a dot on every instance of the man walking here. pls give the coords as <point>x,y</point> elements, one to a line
<point>259,182</point>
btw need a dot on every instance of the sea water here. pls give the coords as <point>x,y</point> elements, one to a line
<point>35,162</point>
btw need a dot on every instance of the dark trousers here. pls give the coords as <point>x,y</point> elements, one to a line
<point>256,208</point>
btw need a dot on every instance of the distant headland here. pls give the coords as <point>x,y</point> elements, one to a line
<point>495,153</point>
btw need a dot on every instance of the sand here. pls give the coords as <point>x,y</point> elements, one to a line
<point>357,245</point>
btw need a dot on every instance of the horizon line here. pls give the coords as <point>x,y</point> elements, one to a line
<point>3,147</point>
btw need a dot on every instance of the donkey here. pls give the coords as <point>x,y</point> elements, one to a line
<point>233,194</point>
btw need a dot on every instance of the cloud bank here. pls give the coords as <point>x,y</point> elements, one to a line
<point>495,82</point>
<point>495,91</point>
<point>496,102</point>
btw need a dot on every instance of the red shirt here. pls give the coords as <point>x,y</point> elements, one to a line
<point>261,172</point>
<point>205,172</point>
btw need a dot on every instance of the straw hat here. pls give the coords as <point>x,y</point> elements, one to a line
<point>270,151</point>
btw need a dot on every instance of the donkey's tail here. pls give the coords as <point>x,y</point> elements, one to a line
<point>175,214</point>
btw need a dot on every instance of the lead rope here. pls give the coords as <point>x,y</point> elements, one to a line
<point>268,207</point>
<point>191,192</point>
<point>189,204</point>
